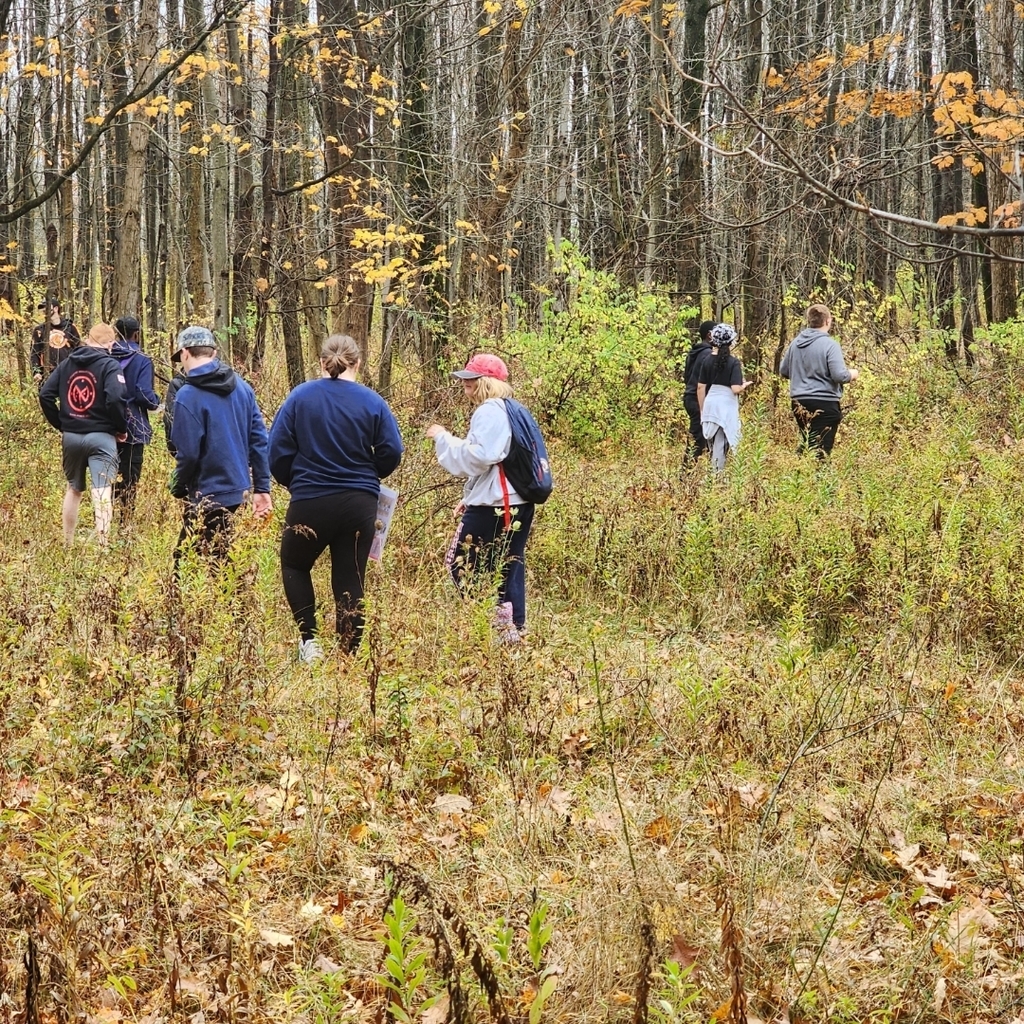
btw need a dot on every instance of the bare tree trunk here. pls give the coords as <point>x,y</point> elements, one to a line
<point>1003,168</point>
<point>244,193</point>
<point>126,295</point>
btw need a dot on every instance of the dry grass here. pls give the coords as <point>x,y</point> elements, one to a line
<point>202,824</point>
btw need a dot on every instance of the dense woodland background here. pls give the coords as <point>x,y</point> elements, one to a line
<point>284,169</point>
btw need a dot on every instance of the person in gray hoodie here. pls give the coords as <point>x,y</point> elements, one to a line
<point>814,366</point>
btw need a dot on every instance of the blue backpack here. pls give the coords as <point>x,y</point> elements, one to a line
<point>526,464</point>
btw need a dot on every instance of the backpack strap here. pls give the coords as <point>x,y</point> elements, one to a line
<point>504,495</point>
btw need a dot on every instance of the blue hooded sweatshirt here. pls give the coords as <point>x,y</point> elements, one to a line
<point>137,368</point>
<point>219,437</point>
<point>332,436</point>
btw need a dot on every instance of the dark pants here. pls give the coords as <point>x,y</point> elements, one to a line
<point>818,420</point>
<point>699,445</point>
<point>208,527</point>
<point>485,545</point>
<point>129,457</point>
<point>345,523</point>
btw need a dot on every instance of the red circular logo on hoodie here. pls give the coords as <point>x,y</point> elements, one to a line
<point>81,392</point>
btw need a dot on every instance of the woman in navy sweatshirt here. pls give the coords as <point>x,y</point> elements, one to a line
<point>330,445</point>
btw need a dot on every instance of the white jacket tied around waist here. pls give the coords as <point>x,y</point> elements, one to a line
<point>721,409</point>
<point>476,456</point>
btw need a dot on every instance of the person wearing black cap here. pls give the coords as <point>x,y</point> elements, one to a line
<point>137,368</point>
<point>691,376</point>
<point>52,341</point>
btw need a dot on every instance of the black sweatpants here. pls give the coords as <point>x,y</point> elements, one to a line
<point>699,444</point>
<point>129,458</point>
<point>818,420</point>
<point>345,523</point>
<point>209,528</point>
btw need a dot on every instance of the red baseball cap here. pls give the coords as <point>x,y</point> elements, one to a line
<point>483,365</point>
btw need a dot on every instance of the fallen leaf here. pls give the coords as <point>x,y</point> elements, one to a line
<point>662,830</point>
<point>326,966</point>
<point>605,821</point>
<point>438,1012</point>
<point>556,800</point>
<point>682,952</point>
<point>357,833</point>
<point>938,880</point>
<point>906,856</point>
<point>452,804</point>
<point>939,999</point>
<point>753,795</point>
<point>276,939</point>
<point>446,842</point>
<point>723,1011</point>
<point>621,998</point>
<point>576,744</point>
<point>192,986</point>
<point>968,925</point>
<point>828,811</point>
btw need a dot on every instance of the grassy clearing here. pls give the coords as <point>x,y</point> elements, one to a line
<point>792,696</point>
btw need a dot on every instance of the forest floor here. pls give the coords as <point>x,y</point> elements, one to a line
<point>722,776</point>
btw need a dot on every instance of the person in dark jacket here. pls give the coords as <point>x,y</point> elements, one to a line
<point>220,441</point>
<point>84,398</point>
<point>173,387</point>
<point>331,443</point>
<point>691,376</point>
<point>816,371</point>
<point>141,399</point>
<point>52,341</point>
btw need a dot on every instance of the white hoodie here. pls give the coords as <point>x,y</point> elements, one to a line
<point>475,457</point>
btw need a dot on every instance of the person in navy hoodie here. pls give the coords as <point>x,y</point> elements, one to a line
<point>330,444</point>
<point>220,443</point>
<point>84,399</point>
<point>137,368</point>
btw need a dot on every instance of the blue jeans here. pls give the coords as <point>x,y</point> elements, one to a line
<point>485,545</point>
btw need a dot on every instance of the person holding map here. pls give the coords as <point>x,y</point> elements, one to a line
<point>331,443</point>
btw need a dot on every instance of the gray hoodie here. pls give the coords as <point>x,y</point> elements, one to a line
<point>814,365</point>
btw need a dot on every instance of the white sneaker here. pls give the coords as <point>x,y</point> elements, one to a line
<point>310,651</point>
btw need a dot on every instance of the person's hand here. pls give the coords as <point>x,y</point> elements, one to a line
<point>460,509</point>
<point>854,374</point>
<point>433,430</point>
<point>748,384</point>
<point>262,506</point>
<point>37,378</point>
<point>121,438</point>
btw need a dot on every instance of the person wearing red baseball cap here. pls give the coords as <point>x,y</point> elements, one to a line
<point>483,541</point>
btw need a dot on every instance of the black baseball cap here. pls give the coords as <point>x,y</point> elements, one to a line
<point>126,326</point>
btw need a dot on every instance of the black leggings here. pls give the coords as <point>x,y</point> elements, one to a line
<point>344,523</point>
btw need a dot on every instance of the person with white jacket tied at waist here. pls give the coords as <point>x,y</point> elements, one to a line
<point>495,520</point>
<point>720,385</point>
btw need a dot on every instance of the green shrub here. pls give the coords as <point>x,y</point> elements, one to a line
<point>604,360</point>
